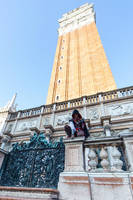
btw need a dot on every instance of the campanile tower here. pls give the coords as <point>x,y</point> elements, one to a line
<point>80,66</point>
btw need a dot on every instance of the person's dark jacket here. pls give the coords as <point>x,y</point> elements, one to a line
<point>80,124</point>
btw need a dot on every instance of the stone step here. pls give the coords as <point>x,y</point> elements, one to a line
<point>24,193</point>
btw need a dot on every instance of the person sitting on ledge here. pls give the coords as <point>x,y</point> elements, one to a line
<point>77,126</point>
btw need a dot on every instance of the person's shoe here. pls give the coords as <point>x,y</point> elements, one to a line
<point>68,131</point>
<point>72,136</point>
<point>68,137</point>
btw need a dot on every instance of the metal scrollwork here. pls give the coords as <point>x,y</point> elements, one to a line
<point>37,163</point>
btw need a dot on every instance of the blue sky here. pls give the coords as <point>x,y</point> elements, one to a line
<point>28,38</point>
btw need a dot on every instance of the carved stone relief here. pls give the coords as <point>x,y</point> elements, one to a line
<point>46,121</point>
<point>63,119</point>
<point>120,132</point>
<point>25,125</point>
<point>93,127</point>
<point>97,134</point>
<point>120,109</point>
<point>93,114</point>
<point>9,127</point>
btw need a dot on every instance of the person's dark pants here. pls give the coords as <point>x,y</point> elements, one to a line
<point>69,131</point>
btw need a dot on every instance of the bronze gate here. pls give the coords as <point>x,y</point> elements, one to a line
<point>37,163</point>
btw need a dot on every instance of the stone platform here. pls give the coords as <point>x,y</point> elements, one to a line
<point>82,181</point>
<point>96,186</point>
<point>19,193</point>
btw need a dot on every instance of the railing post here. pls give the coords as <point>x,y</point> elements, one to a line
<point>119,94</point>
<point>30,113</point>
<point>53,114</point>
<point>40,117</point>
<point>105,121</point>
<point>15,123</point>
<point>84,108</point>
<point>102,109</point>
<point>69,104</point>
<point>54,107</point>
<point>100,97</point>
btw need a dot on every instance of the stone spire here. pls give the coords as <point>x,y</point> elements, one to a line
<point>4,111</point>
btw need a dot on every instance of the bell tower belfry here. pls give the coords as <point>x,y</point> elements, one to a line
<point>80,66</point>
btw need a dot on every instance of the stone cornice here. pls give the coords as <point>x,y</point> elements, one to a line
<point>76,18</point>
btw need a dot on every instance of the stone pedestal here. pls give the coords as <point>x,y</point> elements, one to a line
<point>74,186</point>
<point>110,186</point>
<point>19,193</point>
<point>74,157</point>
<point>96,186</point>
<point>74,182</point>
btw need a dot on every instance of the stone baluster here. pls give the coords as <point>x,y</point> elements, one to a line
<point>92,160</point>
<point>119,94</point>
<point>104,157</point>
<point>117,163</point>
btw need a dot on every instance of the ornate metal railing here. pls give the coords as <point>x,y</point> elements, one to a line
<point>87,100</point>
<point>33,164</point>
<point>105,156</point>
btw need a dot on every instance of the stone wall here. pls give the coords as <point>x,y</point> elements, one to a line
<point>98,167</point>
<point>99,176</point>
<point>117,105</point>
